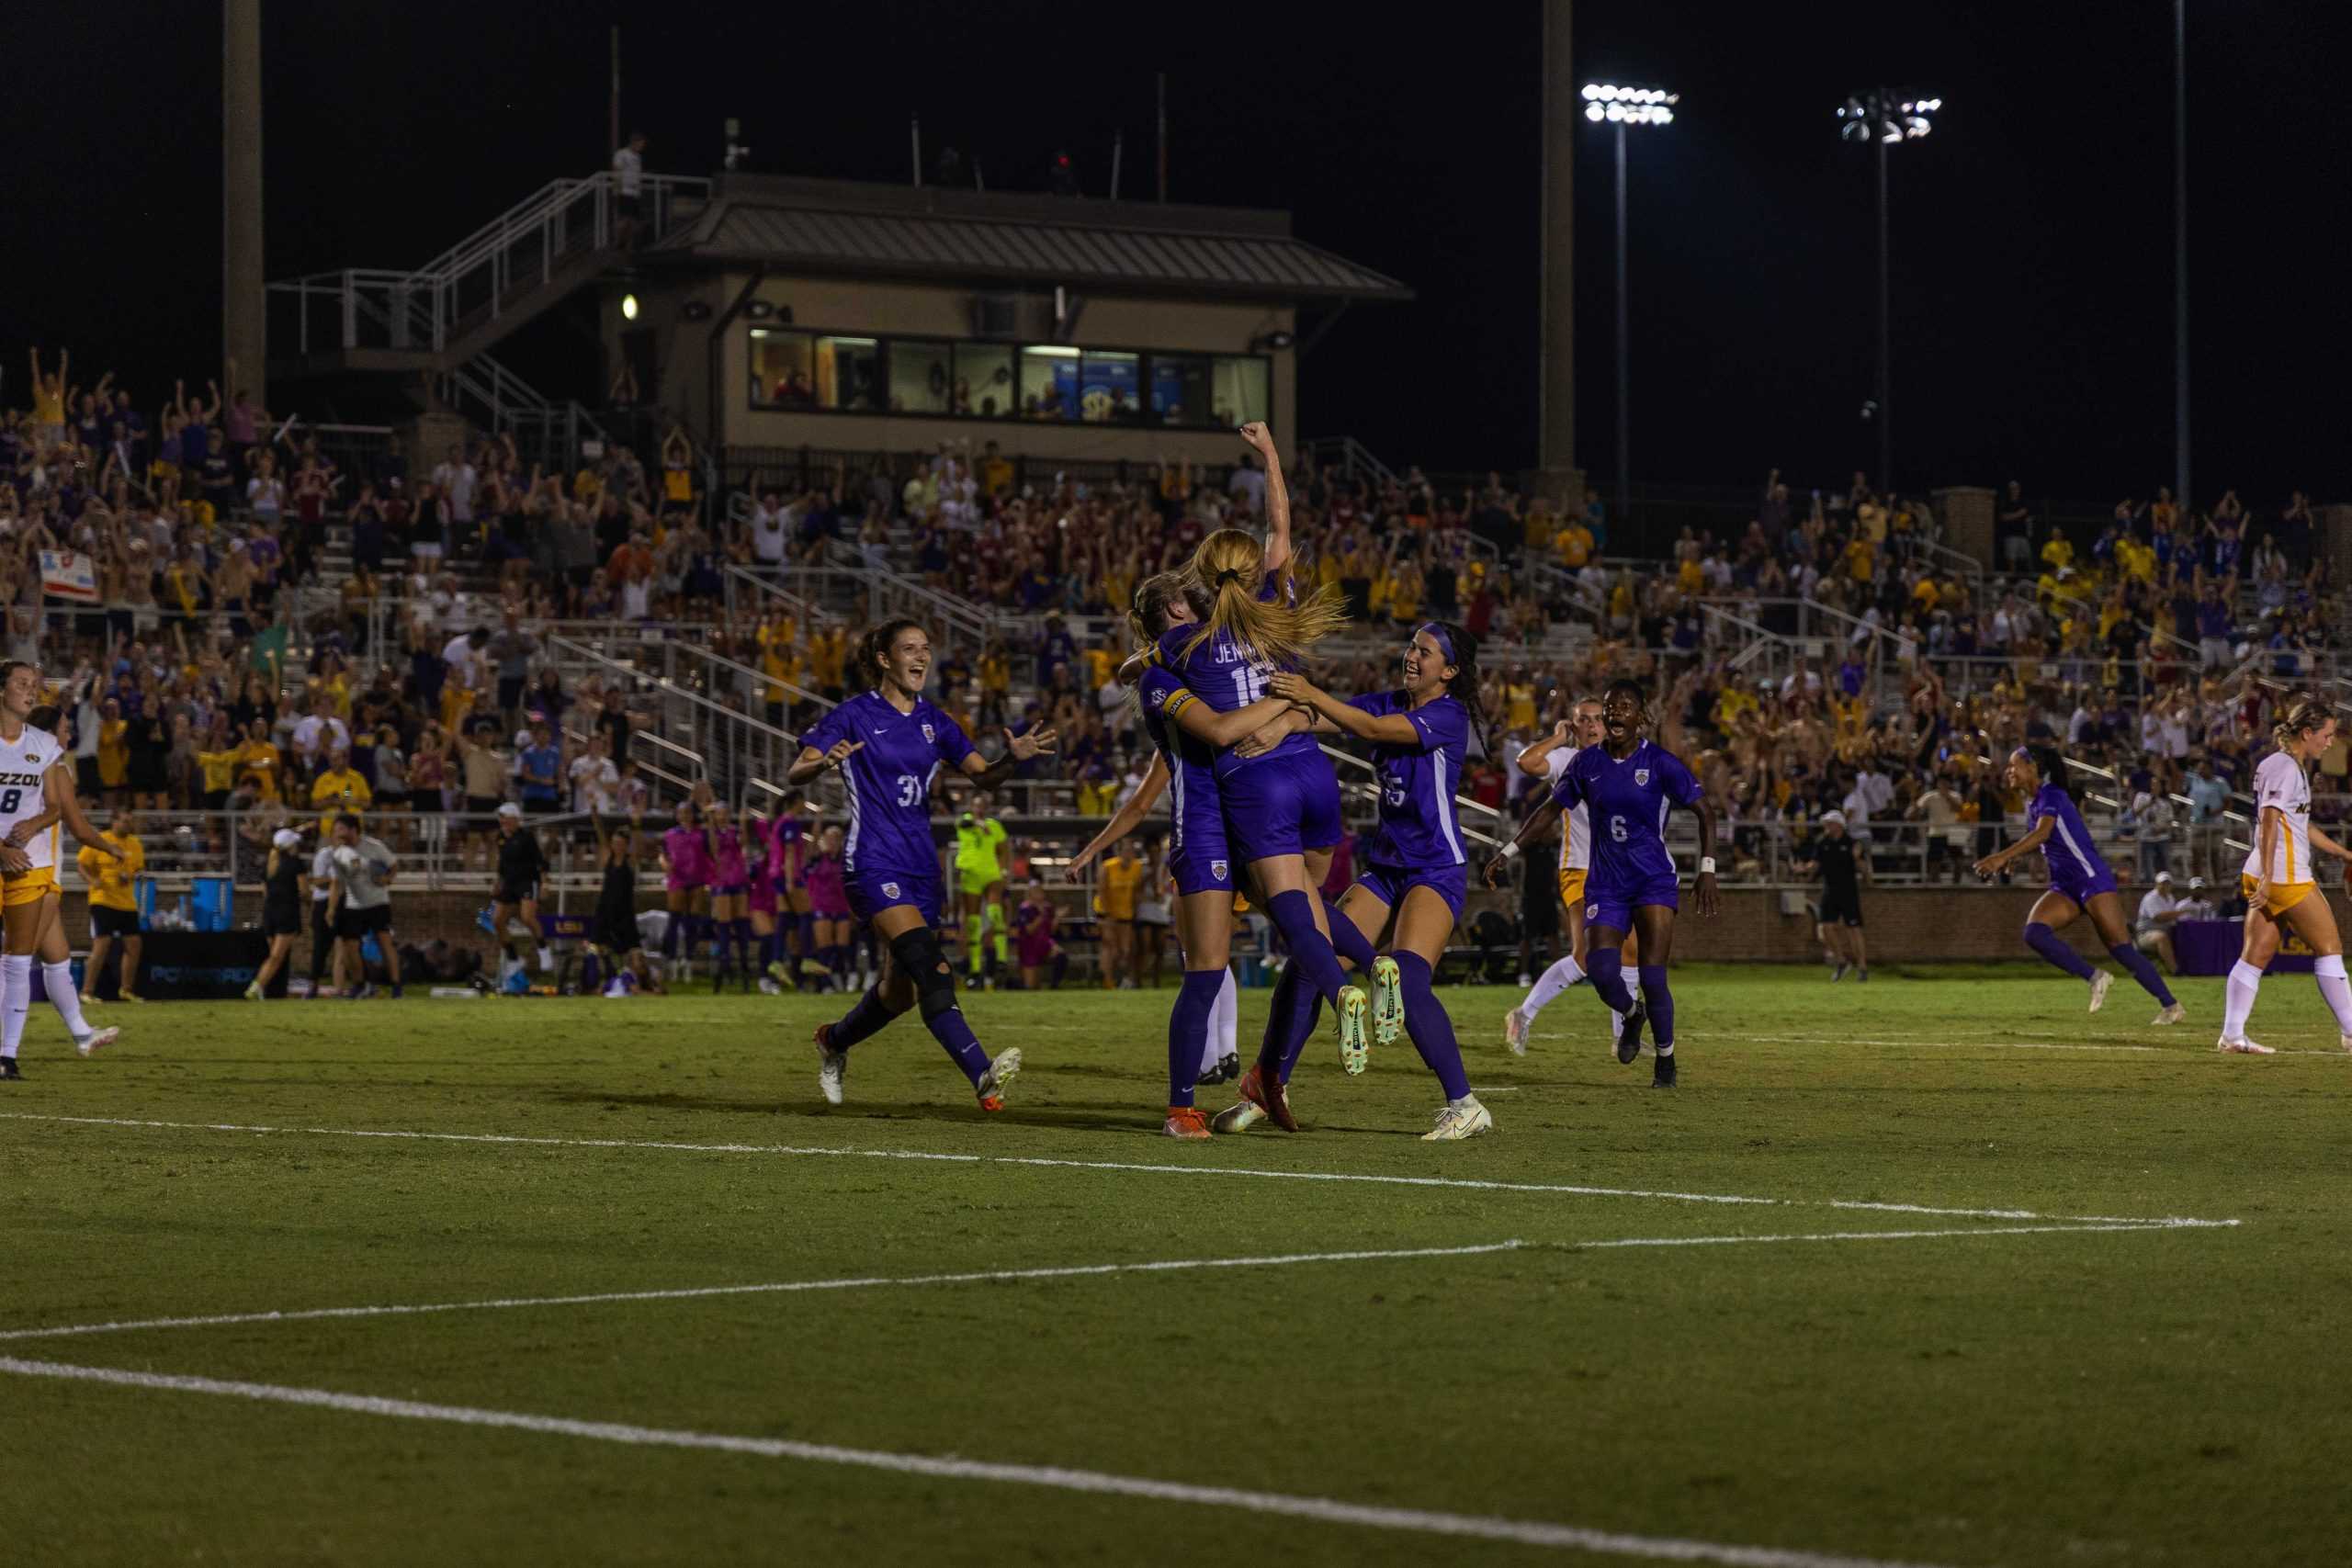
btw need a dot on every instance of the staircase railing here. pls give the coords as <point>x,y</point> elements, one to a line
<point>1352,457</point>
<point>474,279</point>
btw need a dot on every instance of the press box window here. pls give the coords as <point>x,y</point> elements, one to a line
<point>782,369</point>
<point>1049,382</point>
<point>922,378</point>
<point>849,373</point>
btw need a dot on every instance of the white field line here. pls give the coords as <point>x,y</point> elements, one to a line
<point>1322,1510</point>
<point>1741,1036</point>
<point>1852,1236</point>
<point>1465,1183</point>
<point>998,1276</point>
<point>789,1287</point>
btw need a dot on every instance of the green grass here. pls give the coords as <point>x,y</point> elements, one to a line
<point>2137,1396</point>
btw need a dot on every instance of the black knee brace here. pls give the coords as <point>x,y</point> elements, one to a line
<point>924,964</point>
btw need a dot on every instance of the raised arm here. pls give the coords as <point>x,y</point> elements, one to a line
<point>1531,756</point>
<point>1277,499</point>
<point>1018,749</point>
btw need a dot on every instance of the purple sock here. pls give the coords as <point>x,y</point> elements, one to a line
<point>2135,964</point>
<point>1426,1022</point>
<point>589,971</point>
<point>862,1021</point>
<point>1310,949</point>
<point>1347,941</point>
<point>1290,1024</point>
<point>1606,969</point>
<point>1658,1002</point>
<point>745,939</point>
<point>963,1046</point>
<point>804,928</point>
<point>720,933</point>
<point>1187,1022</point>
<point>2045,942</point>
<point>672,933</point>
<point>1061,967</point>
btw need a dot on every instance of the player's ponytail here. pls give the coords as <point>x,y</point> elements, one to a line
<point>2051,767</point>
<point>875,644</point>
<point>2305,716</point>
<point>1230,565</point>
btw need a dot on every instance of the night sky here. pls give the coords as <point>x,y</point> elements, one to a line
<point>2032,230</point>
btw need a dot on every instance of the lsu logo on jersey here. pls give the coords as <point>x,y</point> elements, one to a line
<point>889,890</point>
<point>1592,911</point>
<point>1159,698</point>
<point>1219,869</point>
<point>1641,778</point>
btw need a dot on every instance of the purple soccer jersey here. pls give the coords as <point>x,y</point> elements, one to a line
<point>890,779</point>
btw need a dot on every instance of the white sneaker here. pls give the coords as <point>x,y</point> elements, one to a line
<point>2344,1041</point>
<point>833,1066</point>
<point>1239,1119</point>
<point>1515,1032</point>
<point>97,1039</point>
<point>2173,1014</point>
<point>2101,981</point>
<point>1000,1072</point>
<point>2243,1047</point>
<point>769,987</point>
<point>1464,1118</point>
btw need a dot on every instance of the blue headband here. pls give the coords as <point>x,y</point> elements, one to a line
<point>1444,643</point>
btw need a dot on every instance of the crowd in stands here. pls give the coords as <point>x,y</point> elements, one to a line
<point>223,653</point>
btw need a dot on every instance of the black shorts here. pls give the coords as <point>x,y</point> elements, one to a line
<point>1837,909</point>
<point>85,778</point>
<point>1539,909</point>
<point>616,933</point>
<point>281,920</point>
<point>113,922</point>
<point>516,893</point>
<point>482,805</point>
<point>353,924</point>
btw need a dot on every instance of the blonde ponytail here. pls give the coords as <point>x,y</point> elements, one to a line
<point>1232,566</point>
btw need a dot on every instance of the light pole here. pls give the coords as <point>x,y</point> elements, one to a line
<point>1880,116</point>
<point>1606,103</point>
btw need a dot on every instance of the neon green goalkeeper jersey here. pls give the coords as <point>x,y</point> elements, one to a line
<point>976,850</point>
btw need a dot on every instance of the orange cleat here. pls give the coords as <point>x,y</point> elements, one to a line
<point>1186,1121</point>
<point>992,1102</point>
<point>1269,1097</point>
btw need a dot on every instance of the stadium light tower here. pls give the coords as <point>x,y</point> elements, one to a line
<point>1607,103</point>
<point>1885,117</point>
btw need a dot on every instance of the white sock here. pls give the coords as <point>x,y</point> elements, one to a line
<point>15,999</point>
<point>1225,1018</point>
<point>1548,984</point>
<point>2337,989</point>
<point>57,980</point>
<point>2238,996</point>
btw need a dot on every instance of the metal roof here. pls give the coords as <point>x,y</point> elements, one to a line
<point>1022,247</point>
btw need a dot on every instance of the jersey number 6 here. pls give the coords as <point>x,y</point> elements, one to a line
<point>1617,830</point>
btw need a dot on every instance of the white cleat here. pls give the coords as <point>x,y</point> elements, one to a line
<point>2173,1014</point>
<point>96,1039</point>
<point>2100,982</point>
<point>1002,1071</point>
<point>833,1066</point>
<point>2344,1041</point>
<point>1239,1119</point>
<point>2243,1047</point>
<point>1464,1118</point>
<point>1515,1032</point>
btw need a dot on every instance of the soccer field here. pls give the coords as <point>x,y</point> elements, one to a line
<point>1940,1270</point>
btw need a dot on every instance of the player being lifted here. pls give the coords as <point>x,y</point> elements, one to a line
<point>36,793</point>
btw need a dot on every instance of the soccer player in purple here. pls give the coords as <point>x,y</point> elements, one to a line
<point>1627,784</point>
<point>1187,733</point>
<point>1414,864</point>
<point>1278,804</point>
<point>887,744</point>
<point>2080,884</point>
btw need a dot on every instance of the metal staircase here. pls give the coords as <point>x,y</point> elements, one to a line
<point>444,313</point>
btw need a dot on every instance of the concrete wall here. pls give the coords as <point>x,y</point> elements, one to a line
<point>1967,513</point>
